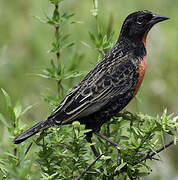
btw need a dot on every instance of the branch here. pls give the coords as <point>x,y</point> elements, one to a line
<point>149,155</point>
<point>57,36</point>
<point>85,171</point>
<point>57,33</point>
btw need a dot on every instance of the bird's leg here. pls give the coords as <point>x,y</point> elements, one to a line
<point>108,140</point>
<point>88,138</point>
<point>117,146</point>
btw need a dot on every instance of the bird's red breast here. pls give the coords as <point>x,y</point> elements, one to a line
<point>141,71</point>
<point>142,65</point>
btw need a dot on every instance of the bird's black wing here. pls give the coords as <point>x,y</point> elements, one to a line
<point>110,78</point>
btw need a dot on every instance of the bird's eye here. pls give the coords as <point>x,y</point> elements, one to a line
<point>140,20</point>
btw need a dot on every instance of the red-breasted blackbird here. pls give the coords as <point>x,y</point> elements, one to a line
<point>110,85</point>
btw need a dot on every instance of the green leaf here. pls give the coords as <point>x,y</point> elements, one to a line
<point>68,45</point>
<point>7,97</point>
<point>141,174</point>
<point>121,166</point>
<point>18,109</point>
<point>123,138</point>
<point>133,139</point>
<point>175,140</point>
<point>136,130</point>
<point>11,114</point>
<point>27,109</point>
<point>73,75</point>
<point>65,37</point>
<point>43,20</point>
<point>105,157</point>
<point>67,16</point>
<point>92,37</point>
<point>56,16</point>
<point>11,155</point>
<point>86,44</point>
<point>3,120</point>
<point>55,1</point>
<point>45,76</point>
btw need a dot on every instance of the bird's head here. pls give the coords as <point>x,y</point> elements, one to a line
<point>137,24</point>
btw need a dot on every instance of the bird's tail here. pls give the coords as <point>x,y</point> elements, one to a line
<point>31,131</point>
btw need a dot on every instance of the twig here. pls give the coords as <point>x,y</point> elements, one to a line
<point>85,171</point>
<point>148,156</point>
<point>56,26</point>
<point>15,149</point>
<point>57,33</point>
<point>28,148</point>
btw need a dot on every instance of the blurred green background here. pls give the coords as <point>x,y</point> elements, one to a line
<point>24,45</point>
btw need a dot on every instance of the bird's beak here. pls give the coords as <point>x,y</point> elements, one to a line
<point>157,18</point>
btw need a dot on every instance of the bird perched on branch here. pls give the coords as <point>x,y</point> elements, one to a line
<point>110,85</point>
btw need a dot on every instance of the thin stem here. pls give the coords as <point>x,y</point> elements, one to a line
<point>27,150</point>
<point>57,39</point>
<point>150,155</point>
<point>15,149</point>
<point>86,170</point>
<point>57,35</point>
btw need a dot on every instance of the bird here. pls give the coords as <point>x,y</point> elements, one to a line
<point>109,86</point>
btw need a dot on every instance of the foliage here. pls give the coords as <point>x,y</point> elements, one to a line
<point>63,153</point>
<point>13,164</point>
